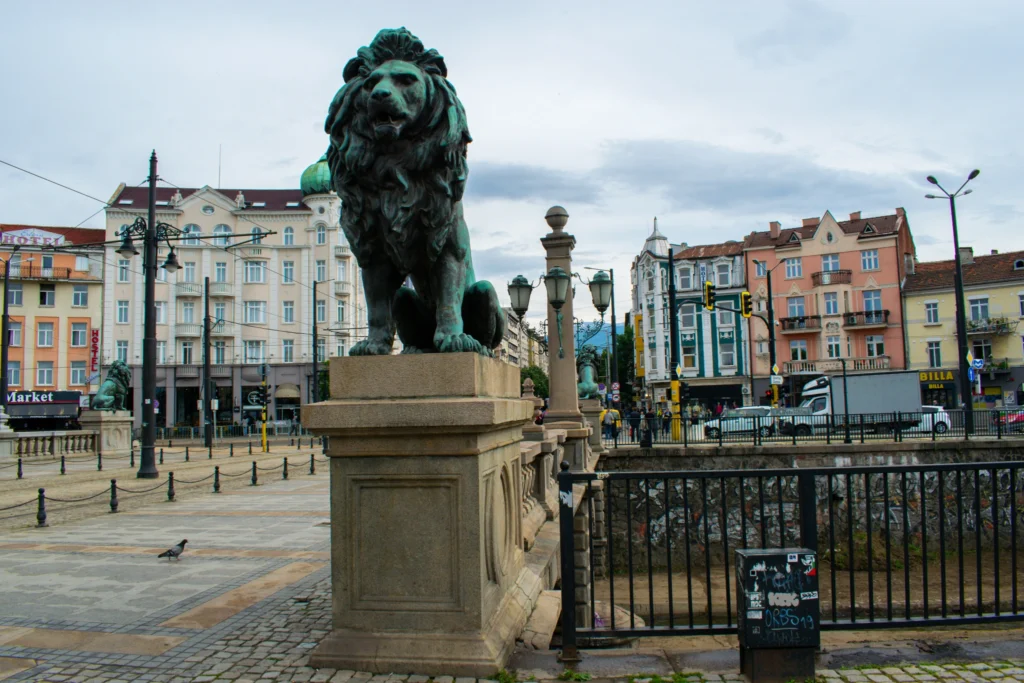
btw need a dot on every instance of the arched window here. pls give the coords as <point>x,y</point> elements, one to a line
<point>257,236</point>
<point>219,233</point>
<point>321,234</point>
<point>289,236</point>
<point>191,235</point>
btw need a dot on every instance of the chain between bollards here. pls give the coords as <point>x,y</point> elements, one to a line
<point>41,512</point>
<point>170,487</point>
<point>284,469</point>
<point>113,495</point>
<point>253,473</point>
<point>216,478</point>
<point>312,463</point>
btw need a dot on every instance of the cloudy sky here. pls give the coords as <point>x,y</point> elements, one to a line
<point>716,117</point>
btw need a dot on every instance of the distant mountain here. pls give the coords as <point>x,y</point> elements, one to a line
<point>601,340</point>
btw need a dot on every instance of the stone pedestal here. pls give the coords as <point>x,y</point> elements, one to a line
<point>426,500</point>
<point>114,430</point>
<point>591,409</point>
<point>7,438</point>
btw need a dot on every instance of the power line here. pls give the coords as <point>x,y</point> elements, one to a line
<point>54,182</point>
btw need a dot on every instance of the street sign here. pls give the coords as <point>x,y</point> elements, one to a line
<point>776,379</point>
<point>970,357</point>
<point>215,404</point>
<point>615,386</point>
<point>679,371</point>
<point>703,273</point>
<point>970,374</point>
<point>977,363</point>
<point>199,404</point>
<point>615,396</point>
<point>601,387</point>
<point>775,369</point>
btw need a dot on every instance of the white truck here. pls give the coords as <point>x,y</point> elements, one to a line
<point>876,402</point>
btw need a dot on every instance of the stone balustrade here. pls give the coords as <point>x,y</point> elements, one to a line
<point>55,444</point>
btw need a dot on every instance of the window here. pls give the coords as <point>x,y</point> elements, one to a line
<point>48,264</point>
<point>122,312</point>
<point>254,271</point>
<point>161,273</point>
<point>727,353</point>
<point>14,294</point>
<point>122,270</point>
<point>189,271</point>
<point>873,306</point>
<point>321,310</point>
<point>688,350</point>
<point>794,268</point>
<point>831,303</point>
<point>161,312</point>
<point>44,373</point>
<point>82,263</point>
<point>47,295</point>
<point>161,352</point>
<point>321,234</point>
<point>188,312</point>
<point>869,259</point>
<point>14,334</point>
<point>685,278</point>
<point>934,354</point>
<point>14,373</point>
<point>220,311</point>
<point>931,313</point>
<point>219,349</point>
<point>44,334</point>
<point>321,270</point>
<point>688,316</point>
<point>257,236</point>
<point>288,350</point>
<point>77,372</point>
<point>832,346</point>
<point>80,296</point>
<point>342,272</point>
<point>256,312</point>
<point>1020,298</point>
<point>289,236</point>
<point>876,345</point>
<point>760,268</point>
<point>121,349</point>
<point>796,306</point>
<point>220,235</point>
<point>340,349</point>
<point>79,331</point>
<point>253,351</point>
<point>186,353</point>
<point>341,311</point>
<point>321,349</point>
<point>220,271</point>
<point>726,318</point>
<point>289,311</point>
<point>289,271</point>
<point>982,348</point>
<point>723,272</point>
<point>190,235</point>
<point>979,308</point>
<point>829,263</point>
<point>798,350</point>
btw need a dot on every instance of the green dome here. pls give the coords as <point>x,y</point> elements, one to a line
<point>317,178</point>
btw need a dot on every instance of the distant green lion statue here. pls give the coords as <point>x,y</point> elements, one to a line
<point>114,391</point>
<point>586,365</point>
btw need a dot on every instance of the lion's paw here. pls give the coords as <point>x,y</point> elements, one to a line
<point>455,343</point>
<point>411,350</point>
<point>371,347</point>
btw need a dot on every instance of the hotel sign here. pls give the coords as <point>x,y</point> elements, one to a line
<point>94,352</point>
<point>31,237</point>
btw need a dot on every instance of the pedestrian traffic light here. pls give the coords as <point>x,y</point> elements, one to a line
<point>684,391</point>
<point>746,305</point>
<point>709,296</point>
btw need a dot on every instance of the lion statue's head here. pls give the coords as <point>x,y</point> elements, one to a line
<point>398,131</point>
<point>119,372</point>
<point>587,355</point>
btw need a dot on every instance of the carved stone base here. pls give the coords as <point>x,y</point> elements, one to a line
<point>114,429</point>
<point>426,504</point>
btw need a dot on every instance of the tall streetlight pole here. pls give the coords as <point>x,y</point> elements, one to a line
<point>5,334</point>
<point>958,285</point>
<point>615,355</point>
<point>147,457</point>
<point>771,324</point>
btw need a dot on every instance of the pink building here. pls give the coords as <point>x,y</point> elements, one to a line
<point>836,293</point>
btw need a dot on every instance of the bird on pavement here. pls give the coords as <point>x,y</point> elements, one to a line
<point>174,552</point>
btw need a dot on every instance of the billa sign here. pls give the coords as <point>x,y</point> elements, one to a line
<point>31,237</point>
<point>94,352</point>
<point>936,379</point>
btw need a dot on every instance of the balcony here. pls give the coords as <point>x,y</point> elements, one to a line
<point>830,365</point>
<point>221,370</point>
<point>997,366</point>
<point>800,324</point>
<point>32,272</point>
<point>342,251</point>
<point>254,252</point>
<point>865,319</point>
<point>188,289</point>
<point>222,328</point>
<point>831,277</point>
<point>342,288</point>
<point>188,330</point>
<point>221,289</point>
<point>187,371</point>
<point>991,327</point>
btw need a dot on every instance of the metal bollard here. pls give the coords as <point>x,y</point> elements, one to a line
<point>253,473</point>
<point>216,479</point>
<point>291,442</point>
<point>131,459</point>
<point>21,472</point>
<point>161,456</point>
<point>186,453</point>
<point>170,444</point>
<point>99,461</point>
<point>170,486</point>
<point>312,463</point>
<point>284,469</point>
<point>231,454</point>
<point>63,470</point>
<point>41,511</point>
<point>210,452</point>
<point>250,448</point>
<point>113,495</point>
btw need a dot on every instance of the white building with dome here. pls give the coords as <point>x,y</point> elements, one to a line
<point>261,295</point>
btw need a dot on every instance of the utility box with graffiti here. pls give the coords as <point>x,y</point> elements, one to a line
<point>779,614</point>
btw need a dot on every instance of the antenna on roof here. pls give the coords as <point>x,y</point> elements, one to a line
<point>220,149</point>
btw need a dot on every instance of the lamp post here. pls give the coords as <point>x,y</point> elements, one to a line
<point>5,334</point>
<point>610,297</point>
<point>958,285</point>
<point>771,325</point>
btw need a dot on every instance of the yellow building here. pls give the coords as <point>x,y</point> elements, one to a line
<point>994,306</point>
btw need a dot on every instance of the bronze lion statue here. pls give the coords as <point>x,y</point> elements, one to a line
<point>398,161</point>
<point>114,390</point>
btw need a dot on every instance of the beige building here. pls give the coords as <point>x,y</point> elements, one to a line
<point>55,298</point>
<point>521,345</point>
<point>262,300</point>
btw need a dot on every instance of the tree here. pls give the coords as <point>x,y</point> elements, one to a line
<point>540,380</point>
<point>626,352</point>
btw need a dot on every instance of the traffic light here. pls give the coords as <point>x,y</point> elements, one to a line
<point>684,392</point>
<point>746,305</point>
<point>264,394</point>
<point>709,296</point>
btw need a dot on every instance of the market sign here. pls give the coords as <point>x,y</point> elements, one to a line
<point>42,397</point>
<point>32,236</point>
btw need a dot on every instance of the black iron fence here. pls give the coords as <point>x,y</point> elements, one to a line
<point>765,426</point>
<point>652,552</point>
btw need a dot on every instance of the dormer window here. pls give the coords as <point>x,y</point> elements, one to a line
<point>794,238</point>
<point>259,205</point>
<point>1018,264</point>
<point>868,229</point>
<point>292,205</point>
<point>125,202</point>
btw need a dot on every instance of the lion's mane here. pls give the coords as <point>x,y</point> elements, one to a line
<point>386,186</point>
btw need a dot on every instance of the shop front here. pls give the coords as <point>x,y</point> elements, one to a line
<point>938,388</point>
<point>33,411</point>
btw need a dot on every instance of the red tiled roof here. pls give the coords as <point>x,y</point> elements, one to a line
<point>988,269</point>
<point>703,251</point>
<point>274,200</point>
<point>882,225</point>
<point>71,235</point>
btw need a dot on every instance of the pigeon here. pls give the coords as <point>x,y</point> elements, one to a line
<point>174,552</point>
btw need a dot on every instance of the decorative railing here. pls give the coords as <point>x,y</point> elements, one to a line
<point>188,330</point>
<point>803,323</point>
<point>866,318</point>
<point>992,326</point>
<point>188,289</point>
<point>221,289</point>
<point>55,444</point>
<point>830,365</point>
<point>831,277</point>
<point>39,273</point>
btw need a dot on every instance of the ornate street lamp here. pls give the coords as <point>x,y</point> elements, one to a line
<point>557,282</point>
<point>601,292</point>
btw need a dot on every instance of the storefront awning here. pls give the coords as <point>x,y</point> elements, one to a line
<point>287,391</point>
<point>42,410</point>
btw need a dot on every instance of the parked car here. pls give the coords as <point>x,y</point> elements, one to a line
<point>935,419</point>
<point>741,420</point>
<point>1011,420</point>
